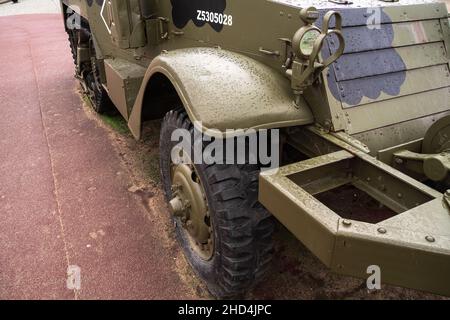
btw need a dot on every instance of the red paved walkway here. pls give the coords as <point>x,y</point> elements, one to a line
<point>59,184</point>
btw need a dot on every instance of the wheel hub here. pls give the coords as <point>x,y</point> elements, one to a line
<point>189,204</point>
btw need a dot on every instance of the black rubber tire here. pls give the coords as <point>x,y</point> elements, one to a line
<point>242,227</point>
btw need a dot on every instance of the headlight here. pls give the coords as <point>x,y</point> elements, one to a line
<point>307,41</point>
<point>304,39</point>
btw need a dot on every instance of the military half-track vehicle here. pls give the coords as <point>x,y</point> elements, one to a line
<point>360,93</point>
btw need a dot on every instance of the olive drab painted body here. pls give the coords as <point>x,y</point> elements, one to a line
<point>362,89</point>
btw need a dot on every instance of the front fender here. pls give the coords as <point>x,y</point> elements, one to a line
<point>224,90</point>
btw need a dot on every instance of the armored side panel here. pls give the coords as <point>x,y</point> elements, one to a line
<point>393,80</point>
<point>124,80</point>
<point>125,23</point>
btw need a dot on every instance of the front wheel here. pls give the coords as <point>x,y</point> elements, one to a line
<point>224,231</point>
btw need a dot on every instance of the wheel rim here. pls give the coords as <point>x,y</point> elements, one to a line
<point>189,205</point>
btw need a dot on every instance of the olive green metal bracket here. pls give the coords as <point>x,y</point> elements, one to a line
<point>436,167</point>
<point>412,248</point>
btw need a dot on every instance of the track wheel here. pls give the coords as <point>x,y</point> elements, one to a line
<point>88,72</point>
